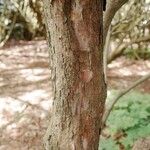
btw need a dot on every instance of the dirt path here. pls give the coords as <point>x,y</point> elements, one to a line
<point>123,72</point>
<point>25,91</point>
<point>25,95</point>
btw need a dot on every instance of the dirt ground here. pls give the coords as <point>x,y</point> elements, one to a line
<point>25,91</point>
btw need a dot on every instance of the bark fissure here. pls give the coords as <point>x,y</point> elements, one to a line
<point>78,81</point>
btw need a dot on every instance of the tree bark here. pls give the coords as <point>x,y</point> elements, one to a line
<point>74,30</point>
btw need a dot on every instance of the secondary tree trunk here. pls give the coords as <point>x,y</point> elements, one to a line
<point>74,30</point>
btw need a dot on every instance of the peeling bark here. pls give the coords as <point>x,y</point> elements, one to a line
<point>74,30</point>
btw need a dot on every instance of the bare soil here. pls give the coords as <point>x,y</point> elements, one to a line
<point>25,91</point>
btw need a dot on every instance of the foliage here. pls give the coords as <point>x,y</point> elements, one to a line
<point>129,28</point>
<point>128,121</point>
<point>28,22</point>
<point>108,144</point>
<point>130,23</point>
<point>6,13</point>
<point>138,53</point>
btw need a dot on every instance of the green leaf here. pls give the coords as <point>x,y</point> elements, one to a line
<point>108,144</point>
<point>132,116</point>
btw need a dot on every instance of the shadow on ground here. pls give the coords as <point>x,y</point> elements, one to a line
<point>25,95</point>
<point>25,91</point>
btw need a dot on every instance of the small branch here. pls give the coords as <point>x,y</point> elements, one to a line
<point>122,93</point>
<point>105,53</point>
<point>9,32</point>
<point>112,7</point>
<point>123,46</point>
<point>30,104</point>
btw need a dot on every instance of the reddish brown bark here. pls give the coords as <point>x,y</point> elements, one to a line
<point>74,30</point>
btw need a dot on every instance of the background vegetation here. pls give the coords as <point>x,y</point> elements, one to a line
<point>128,121</point>
<point>129,31</point>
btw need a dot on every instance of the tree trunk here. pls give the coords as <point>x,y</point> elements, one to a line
<point>74,30</point>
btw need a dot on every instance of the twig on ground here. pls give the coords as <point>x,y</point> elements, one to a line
<point>17,117</point>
